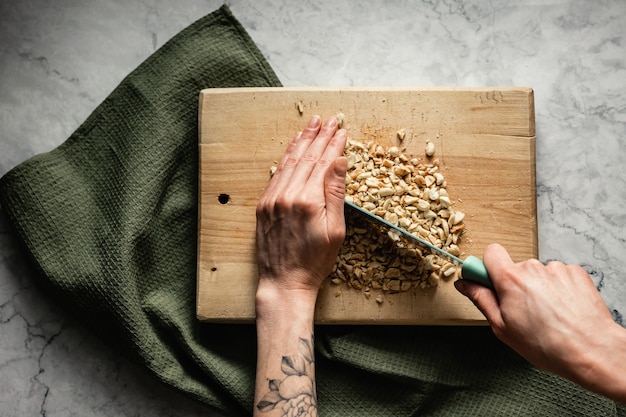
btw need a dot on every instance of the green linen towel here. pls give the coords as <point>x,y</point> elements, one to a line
<point>109,220</point>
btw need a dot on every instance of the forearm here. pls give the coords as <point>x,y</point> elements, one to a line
<point>285,375</point>
<point>603,365</point>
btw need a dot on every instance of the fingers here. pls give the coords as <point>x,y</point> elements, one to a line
<point>307,159</point>
<point>301,143</point>
<point>291,157</point>
<point>279,174</point>
<point>496,260</point>
<point>483,298</point>
<point>317,179</point>
<point>318,155</point>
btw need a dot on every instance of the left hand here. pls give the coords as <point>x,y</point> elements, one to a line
<point>300,222</point>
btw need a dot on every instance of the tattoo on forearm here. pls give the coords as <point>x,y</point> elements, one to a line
<point>294,394</point>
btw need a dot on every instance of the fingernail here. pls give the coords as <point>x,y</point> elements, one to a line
<point>331,122</point>
<point>315,122</point>
<point>460,286</point>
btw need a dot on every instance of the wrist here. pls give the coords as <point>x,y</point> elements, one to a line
<point>604,369</point>
<point>272,300</point>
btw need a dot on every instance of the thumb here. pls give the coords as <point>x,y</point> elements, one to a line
<point>497,260</point>
<point>334,192</point>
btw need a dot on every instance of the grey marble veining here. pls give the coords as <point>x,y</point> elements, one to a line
<point>59,60</point>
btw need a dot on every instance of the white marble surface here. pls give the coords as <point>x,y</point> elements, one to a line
<point>59,60</point>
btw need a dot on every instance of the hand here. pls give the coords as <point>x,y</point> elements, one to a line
<point>552,315</point>
<point>300,223</point>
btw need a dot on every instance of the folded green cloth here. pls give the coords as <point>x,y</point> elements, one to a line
<point>109,220</point>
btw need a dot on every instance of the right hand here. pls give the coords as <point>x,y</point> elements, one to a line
<point>552,314</point>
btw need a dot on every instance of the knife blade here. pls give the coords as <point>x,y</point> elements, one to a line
<point>472,268</point>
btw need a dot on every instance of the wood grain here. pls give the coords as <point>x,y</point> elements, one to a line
<point>485,142</point>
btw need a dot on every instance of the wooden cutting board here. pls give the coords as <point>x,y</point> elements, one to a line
<point>485,142</point>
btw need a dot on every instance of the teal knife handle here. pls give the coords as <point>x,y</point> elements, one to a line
<point>474,270</point>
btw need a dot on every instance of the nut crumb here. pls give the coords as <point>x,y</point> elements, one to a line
<point>300,107</point>
<point>379,299</point>
<point>340,116</point>
<point>401,134</point>
<point>430,148</point>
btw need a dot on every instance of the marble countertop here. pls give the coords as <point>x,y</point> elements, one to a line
<point>59,60</point>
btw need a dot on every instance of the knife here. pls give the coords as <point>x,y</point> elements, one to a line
<point>472,268</point>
